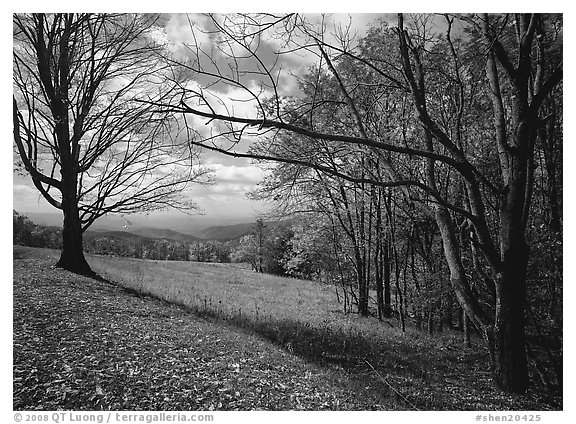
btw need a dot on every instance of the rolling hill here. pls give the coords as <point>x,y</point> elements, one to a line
<point>225,232</point>
<point>109,228</point>
<point>235,231</point>
<point>115,235</point>
<point>163,233</point>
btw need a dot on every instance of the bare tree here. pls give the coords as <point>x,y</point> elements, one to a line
<point>89,144</point>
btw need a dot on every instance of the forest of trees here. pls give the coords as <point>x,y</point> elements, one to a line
<point>422,160</point>
<point>434,141</point>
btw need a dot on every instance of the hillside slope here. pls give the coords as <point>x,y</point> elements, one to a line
<point>84,344</point>
<point>245,341</point>
<point>234,231</point>
<point>225,232</point>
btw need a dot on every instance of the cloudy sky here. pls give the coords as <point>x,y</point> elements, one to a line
<point>224,201</point>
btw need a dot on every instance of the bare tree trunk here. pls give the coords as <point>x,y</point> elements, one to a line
<point>386,259</point>
<point>379,256</point>
<point>504,331</point>
<point>362,285</point>
<point>466,329</point>
<point>72,256</point>
<point>508,341</point>
<point>378,275</point>
<point>458,278</point>
<point>430,322</point>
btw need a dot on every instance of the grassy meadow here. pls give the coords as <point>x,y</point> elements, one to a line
<point>228,290</point>
<point>301,316</point>
<point>383,366</point>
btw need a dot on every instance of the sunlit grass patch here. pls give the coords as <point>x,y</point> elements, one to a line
<point>229,290</point>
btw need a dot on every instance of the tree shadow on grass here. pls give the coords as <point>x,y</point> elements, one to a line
<point>412,371</point>
<point>331,346</point>
<point>326,344</point>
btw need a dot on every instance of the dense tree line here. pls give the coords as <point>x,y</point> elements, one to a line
<point>26,233</point>
<point>267,248</point>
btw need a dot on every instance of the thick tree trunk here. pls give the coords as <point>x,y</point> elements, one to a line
<point>72,256</point>
<point>458,278</point>
<point>516,146</point>
<point>508,342</point>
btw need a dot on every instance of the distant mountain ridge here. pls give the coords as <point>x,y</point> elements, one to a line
<point>183,224</point>
<point>216,232</point>
<point>225,232</point>
<point>115,235</point>
<point>163,233</point>
<point>235,231</point>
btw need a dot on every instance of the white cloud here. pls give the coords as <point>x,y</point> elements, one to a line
<point>22,190</point>
<point>228,193</point>
<point>183,30</point>
<point>241,175</point>
<point>26,198</point>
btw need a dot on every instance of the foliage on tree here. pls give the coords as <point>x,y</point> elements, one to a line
<point>264,248</point>
<point>448,120</point>
<point>26,233</point>
<point>123,244</point>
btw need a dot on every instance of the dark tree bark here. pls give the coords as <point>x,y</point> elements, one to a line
<point>387,264</point>
<point>382,261</point>
<point>505,332</point>
<point>378,268</point>
<point>508,340</point>
<point>72,256</point>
